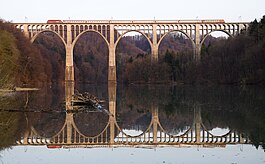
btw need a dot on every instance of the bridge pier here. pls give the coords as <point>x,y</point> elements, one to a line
<point>197,50</point>
<point>112,60</point>
<point>154,46</point>
<point>25,30</point>
<point>69,64</point>
<point>154,53</point>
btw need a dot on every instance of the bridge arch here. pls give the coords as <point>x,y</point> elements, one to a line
<point>123,34</point>
<point>36,35</point>
<point>100,53</point>
<point>87,31</point>
<point>216,30</point>
<point>170,31</point>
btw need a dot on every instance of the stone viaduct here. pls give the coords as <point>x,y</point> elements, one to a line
<point>69,31</point>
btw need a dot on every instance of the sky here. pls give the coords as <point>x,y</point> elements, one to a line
<point>40,11</point>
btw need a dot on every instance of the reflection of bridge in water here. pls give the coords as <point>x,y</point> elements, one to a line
<point>113,135</point>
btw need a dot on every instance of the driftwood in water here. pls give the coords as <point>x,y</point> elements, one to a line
<point>86,99</point>
<point>88,103</point>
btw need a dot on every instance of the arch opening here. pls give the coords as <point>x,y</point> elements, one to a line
<point>133,57</point>
<point>213,39</point>
<point>175,51</point>
<point>91,58</point>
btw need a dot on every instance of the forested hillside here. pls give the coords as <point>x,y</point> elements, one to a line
<point>21,63</point>
<point>237,60</point>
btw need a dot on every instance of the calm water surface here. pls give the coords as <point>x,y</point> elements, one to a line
<point>138,124</point>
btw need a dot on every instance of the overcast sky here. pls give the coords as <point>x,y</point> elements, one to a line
<point>41,11</point>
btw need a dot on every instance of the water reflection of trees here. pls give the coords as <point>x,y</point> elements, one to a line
<point>10,122</point>
<point>236,108</point>
<point>99,90</point>
<point>134,107</point>
<point>226,107</point>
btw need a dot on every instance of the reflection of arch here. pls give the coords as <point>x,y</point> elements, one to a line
<point>119,38</point>
<point>136,136</point>
<point>217,30</point>
<point>50,127</point>
<point>192,135</point>
<point>60,132</point>
<point>189,37</point>
<point>83,135</point>
<point>33,136</point>
<point>35,36</point>
<point>93,31</point>
<point>223,135</point>
<point>151,135</point>
<point>61,136</point>
<point>92,124</point>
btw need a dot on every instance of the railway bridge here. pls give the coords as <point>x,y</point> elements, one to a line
<point>69,31</point>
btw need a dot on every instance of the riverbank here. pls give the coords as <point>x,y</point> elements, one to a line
<point>19,89</point>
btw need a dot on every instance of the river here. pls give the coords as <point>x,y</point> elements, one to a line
<point>136,124</point>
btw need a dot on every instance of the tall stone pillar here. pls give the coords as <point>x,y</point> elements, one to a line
<point>112,110</point>
<point>197,51</point>
<point>69,64</point>
<point>112,61</point>
<point>25,30</point>
<point>154,46</point>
